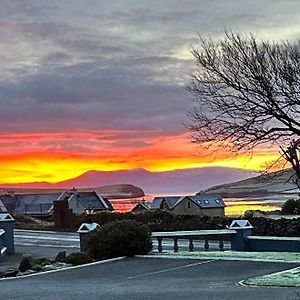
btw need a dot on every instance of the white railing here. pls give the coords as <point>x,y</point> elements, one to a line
<point>193,235</point>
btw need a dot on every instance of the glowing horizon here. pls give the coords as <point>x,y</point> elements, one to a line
<point>101,86</point>
<point>57,156</point>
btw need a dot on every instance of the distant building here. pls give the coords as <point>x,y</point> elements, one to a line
<point>209,205</point>
<point>80,201</point>
<point>42,204</point>
<point>35,204</point>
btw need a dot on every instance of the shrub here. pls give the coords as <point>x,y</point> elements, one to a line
<point>119,238</point>
<point>78,258</point>
<point>41,261</point>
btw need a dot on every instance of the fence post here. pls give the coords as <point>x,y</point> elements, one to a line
<point>243,229</point>
<point>7,223</point>
<point>84,230</point>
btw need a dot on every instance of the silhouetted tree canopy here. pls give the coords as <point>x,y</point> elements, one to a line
<point>247,93</point>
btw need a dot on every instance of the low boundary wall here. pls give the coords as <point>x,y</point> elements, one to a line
<point>240,235</point>
<point>272,244</point>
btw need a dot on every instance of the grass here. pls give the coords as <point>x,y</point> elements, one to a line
<point>288,278</point>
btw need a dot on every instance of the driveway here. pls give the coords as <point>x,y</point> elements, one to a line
<point>151,278</point>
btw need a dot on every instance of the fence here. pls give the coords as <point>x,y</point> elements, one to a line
<point>205,235</point>
<point>239,234</point>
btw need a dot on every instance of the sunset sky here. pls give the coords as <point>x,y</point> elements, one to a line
<point>99,85</point>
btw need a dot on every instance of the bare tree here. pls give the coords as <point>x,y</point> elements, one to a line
<point>247,93</point>
<point>291,154</point>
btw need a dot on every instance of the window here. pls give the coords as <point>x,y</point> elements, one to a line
<point>217,201</point>
<point>189,204</point>
<point>206,201</point>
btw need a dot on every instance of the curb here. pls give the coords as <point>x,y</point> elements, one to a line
<point>65,269</point>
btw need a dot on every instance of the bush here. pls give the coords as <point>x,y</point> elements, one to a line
<point>41,261</point>
<point>78,258</point>
<point>119,238</point>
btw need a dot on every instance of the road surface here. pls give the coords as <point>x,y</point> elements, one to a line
<point>150,278</point>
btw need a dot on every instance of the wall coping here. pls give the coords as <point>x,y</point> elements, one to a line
<point>273,238</point>
<point>193,233</point>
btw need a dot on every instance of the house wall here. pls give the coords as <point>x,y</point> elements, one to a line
<point>214,212</point>
<point>183,208</point>
<point>76,206</point>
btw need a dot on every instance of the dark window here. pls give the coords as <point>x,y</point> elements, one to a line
<point>189,204</point>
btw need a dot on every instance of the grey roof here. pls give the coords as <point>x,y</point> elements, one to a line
<point>93,201</point>
<point>146,205</point>
<point>35,204</point>
<point>171,201</point>
<point>42,204</point>
<point>9,202</point>
<point>208,201</point>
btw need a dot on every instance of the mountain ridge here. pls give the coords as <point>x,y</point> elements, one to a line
<point>175,181</point>
<point>276,183</point>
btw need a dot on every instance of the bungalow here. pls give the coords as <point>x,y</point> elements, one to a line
<point>35,204</point>
<point>80,201</point>
<point>42,204</point>
<point>210,205</point>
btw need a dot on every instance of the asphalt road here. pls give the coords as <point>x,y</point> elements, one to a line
<point>150,278</point>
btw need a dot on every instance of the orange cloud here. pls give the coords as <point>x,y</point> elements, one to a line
<point>53,157</point>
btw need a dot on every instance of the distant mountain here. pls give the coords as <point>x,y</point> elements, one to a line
<point>176,181</point>
<point>260,186</point>
<point>115,191</point>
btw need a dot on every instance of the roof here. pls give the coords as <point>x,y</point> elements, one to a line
<point>208,201</point>
<point>143,204</point>
<point>9,201</point>
<point>203,201</point>
<point>35,204</point>
<point>170,201</point>
<point>92,200</point>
